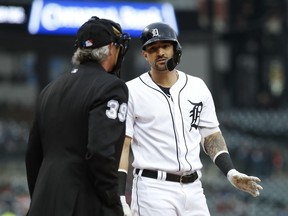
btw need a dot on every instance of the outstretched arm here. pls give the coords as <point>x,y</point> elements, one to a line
<point>122,173</point>
<point>215,146</point>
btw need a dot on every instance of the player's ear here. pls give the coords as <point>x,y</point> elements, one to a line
<point>144,53</point>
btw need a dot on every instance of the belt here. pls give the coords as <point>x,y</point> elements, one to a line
<point>184,179</point>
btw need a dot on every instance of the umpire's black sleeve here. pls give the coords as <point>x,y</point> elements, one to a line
<point>105,140</point>
<point>33,157</point>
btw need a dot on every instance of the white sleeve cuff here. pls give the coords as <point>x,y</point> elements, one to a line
<point>205,131</point>
<point>123,170</point>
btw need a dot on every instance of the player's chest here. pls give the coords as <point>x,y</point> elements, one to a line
<point>155,105</point>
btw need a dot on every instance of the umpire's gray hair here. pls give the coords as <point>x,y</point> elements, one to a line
<point>99,54</point>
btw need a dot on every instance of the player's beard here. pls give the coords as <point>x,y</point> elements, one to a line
<point>160,65</point>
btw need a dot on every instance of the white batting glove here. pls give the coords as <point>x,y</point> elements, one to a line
<point>125,206</point>
<point>244,182</point>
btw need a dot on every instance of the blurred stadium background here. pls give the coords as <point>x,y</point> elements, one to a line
<point>239,47</point>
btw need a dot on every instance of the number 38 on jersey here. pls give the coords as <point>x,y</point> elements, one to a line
<point>116,110</point>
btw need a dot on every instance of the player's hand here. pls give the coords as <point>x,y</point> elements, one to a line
<point>244,182</point>
<point>125,206</point>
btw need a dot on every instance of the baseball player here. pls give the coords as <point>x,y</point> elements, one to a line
<point>169,114</point>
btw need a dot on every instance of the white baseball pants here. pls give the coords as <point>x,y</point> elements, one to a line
<point>154,197</point>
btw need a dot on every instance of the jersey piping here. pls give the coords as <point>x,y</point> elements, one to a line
<point>180,109</point>
<point>172,119</point>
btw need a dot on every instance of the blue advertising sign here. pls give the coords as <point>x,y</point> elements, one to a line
<point>65,17</point>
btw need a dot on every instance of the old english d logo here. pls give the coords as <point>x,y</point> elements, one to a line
<point>155,32</point>
<point>195,114</point>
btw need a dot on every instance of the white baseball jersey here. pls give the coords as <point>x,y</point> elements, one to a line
<point>165,129</point>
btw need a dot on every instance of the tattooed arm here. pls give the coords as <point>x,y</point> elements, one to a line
<point>215,146</point>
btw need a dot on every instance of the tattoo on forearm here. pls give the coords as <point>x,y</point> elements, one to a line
<point>214,143</point>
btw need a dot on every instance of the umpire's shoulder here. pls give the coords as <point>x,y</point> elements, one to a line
<point>116,82</point>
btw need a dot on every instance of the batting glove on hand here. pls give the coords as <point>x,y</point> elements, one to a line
<point>244,182</point>
<point>125,206</point>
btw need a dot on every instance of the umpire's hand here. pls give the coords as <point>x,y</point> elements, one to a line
<point>244,182</point>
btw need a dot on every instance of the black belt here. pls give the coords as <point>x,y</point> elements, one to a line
<point>169,177</point>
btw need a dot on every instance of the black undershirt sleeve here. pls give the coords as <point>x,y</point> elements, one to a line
<point>224,162</point>
<point>122,177</point>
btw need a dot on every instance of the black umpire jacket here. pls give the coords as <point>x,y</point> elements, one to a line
<point>75,144</point>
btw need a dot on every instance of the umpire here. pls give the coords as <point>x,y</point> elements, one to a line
<point>77,135</point>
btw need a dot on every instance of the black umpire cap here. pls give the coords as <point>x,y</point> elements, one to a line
<point>97,32</point>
